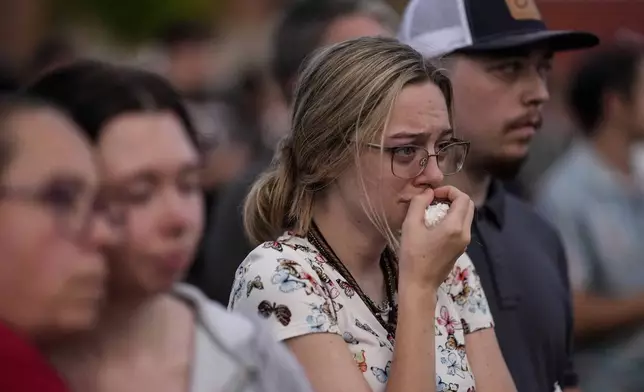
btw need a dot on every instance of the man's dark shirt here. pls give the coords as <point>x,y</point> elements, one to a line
<point>522,266</point>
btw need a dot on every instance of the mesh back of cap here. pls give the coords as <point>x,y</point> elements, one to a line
<point>435,27</point>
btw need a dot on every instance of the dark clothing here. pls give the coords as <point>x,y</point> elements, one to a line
<point>23,368</point>
<point>226,244</point>
<point>523,270</point>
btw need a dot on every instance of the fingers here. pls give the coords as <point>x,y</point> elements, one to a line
<point>449,193</point>
<point>460,204</point>
<point>418,205</point>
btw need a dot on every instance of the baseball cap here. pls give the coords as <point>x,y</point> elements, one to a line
<point>439,27</point>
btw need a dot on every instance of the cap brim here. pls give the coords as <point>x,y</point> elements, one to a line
<point>556,41</point>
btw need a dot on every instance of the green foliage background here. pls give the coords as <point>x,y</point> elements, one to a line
<point>134,21</point>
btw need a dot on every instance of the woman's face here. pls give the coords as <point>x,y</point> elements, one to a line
<point>419,118</point>
<point>152,167</point>
<point>52,271</point>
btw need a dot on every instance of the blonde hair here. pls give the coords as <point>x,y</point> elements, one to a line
<point>342,100</point>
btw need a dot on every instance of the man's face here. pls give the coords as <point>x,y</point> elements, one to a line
<point>498,99</point>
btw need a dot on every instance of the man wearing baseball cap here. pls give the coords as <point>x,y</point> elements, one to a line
<point>498,54</point>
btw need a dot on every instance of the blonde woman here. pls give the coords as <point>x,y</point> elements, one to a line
<point>349,277</point>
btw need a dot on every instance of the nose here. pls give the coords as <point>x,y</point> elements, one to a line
<point>180,213</point>
<point>431,176</point>
<point>103,233</point>
<point>536,89</point>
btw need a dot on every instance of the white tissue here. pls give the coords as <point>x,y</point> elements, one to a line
<point>435,213</point>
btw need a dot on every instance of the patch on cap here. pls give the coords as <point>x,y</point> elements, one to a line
<point>523,9</point>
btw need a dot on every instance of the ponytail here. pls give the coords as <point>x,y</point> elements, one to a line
<point>276,202</point>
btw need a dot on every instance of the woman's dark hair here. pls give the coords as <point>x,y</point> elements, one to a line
<point>93,93</point>
<point>612,69</point>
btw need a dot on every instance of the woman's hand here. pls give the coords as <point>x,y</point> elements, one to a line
<point>427,255</point>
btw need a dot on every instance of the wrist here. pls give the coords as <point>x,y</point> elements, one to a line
<point>417,292</point>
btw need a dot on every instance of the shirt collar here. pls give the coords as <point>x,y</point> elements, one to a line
<point>494,206</point>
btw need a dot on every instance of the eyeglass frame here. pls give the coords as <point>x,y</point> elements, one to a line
<point>423,165</point>
<point>36,195</point>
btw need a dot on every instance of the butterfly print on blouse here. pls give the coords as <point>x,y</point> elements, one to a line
<point>330,287</point>
<point>349,338</point>
<point>446,320</point>
<point>444,387</point>
<point>273,245</point>
<point>382,375</point>
<point>290,277</point>
<point>454,345</point>
<point>282,312</point>
<point>256,283</point>
<point>346,287</point>
<point>361,360</point>
<point>455,365</point>
<point>297,247</point>
<point>367,328</point>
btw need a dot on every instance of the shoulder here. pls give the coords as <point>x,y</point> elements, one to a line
<point>289,252</point>
<point>238,328</point>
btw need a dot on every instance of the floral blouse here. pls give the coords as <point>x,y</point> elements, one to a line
<point>289,283</point>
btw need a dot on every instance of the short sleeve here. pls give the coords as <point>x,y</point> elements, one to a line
<point>280,285</point>
<point>467,293</point>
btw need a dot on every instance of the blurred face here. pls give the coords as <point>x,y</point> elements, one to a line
<point>393,171</point>
<point>52,272</point>
<point>190,66</point>
<point>353,26</point>
<point>152,167</point>
<point>498,101</point>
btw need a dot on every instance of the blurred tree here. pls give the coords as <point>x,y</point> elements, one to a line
<point>133,21</point>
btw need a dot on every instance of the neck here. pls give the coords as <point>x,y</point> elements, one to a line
<point>355,241</point>
<point>474,182</point>
<point>614,148</point>
<point>122,322</point>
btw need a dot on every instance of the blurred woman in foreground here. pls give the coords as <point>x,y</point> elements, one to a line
<point>52,228</point>
<point>155,334</point>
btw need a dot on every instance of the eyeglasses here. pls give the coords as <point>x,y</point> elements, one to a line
<point>409,161</point>
<point>73,215</point>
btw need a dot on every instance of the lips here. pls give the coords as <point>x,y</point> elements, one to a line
<point>176,260</point>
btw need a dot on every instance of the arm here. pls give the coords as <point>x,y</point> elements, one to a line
<point>595,315</point>
<point>489,368</point>
<point>330,367</point>
<point>486,360</point>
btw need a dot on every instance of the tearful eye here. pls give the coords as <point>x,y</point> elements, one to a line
<point>405,151</point>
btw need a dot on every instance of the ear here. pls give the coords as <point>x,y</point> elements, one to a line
<point>616,106</point>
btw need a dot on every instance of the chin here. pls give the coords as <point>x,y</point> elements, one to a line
<point>78,320</point>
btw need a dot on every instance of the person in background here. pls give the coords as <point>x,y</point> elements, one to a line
<point>53,52</point>
<point>51,233</point>
<point>349,276</point>
<point>155,334</point>
<point>498,54</point>
<point>596,199</point>
<point>306,26</point>
<point>188,48</point>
